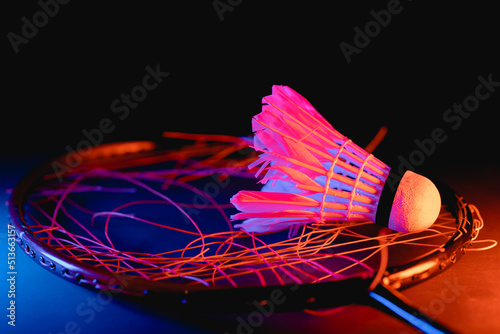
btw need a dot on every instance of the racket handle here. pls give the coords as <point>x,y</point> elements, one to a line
<point>395,304</point>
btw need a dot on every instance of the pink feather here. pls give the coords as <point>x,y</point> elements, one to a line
<point>313,172</point>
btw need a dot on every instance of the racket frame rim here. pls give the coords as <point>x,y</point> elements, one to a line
<point>396,277</point>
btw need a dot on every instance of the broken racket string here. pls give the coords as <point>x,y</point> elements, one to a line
<point>315,244</point>
<point>160,217</point>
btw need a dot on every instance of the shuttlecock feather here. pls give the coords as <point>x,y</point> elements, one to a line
<point>312,172</point>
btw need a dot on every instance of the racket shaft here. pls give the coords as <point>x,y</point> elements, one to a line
<point>387,300</point>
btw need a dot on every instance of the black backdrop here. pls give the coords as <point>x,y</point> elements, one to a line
<point>223,57</point>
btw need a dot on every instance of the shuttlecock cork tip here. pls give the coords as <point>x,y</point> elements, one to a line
<point>416,204</point>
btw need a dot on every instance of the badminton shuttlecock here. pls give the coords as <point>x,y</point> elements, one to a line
<point>316,174</point>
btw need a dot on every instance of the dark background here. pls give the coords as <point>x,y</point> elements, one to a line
<point>428,58</point>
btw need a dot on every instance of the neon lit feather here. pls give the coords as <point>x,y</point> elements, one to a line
<point>312,172</point>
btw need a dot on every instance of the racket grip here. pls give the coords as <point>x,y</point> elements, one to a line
<point>395,304</point>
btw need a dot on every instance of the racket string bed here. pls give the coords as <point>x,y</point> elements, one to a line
<point>317,243</point>
<point>81,218</point>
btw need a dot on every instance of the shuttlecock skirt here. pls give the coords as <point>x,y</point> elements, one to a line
<point>312,172</point>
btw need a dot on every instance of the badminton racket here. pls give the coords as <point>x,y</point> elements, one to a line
<point>145,221</point>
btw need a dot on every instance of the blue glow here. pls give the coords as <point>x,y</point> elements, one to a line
<point>418,323</point>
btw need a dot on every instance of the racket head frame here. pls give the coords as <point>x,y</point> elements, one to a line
<point>177,296</point>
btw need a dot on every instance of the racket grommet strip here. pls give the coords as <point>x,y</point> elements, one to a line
<point>48,264</point>
<point>29,251</point>
<point>97,284</point>
<point>453,258</point>
<point>77,277</point>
